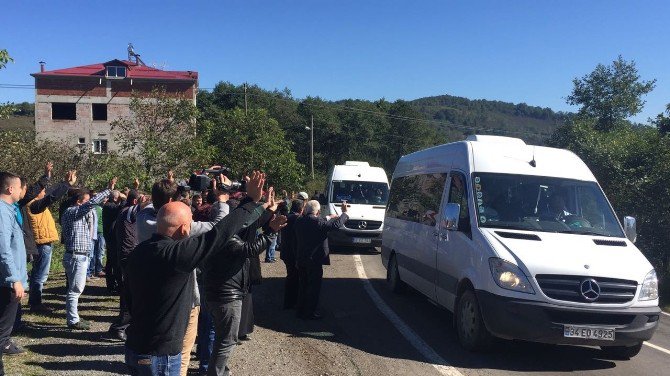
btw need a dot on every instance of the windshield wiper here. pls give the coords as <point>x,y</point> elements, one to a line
<point>583,233</point>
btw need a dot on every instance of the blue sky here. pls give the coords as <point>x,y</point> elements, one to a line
<point>516,51</point>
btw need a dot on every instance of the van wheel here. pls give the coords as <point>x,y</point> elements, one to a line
<point>472,332</point>
<point>393,276</point>
<point>622,352</point>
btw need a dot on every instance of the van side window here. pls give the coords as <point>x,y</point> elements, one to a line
<point>416,198</point>
<point>458,194</point>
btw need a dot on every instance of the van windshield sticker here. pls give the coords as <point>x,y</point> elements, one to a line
<point>477,179</point>
<point>482,219</point>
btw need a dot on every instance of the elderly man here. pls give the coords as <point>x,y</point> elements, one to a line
<point>161,281</point>
<point>311,232</point>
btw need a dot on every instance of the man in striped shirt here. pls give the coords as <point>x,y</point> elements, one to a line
<point>78,243</point>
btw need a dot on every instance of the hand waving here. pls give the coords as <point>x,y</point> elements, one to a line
<point>255,186</point>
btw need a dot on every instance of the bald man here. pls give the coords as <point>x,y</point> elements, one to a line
<point>160,277</point>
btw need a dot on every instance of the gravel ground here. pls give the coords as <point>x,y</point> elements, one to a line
<point>341,344</point>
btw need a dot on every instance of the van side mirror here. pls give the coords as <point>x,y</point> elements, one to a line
<point>451,215</point>
<point>630,228</point>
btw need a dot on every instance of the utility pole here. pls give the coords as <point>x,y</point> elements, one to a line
<point>245,99</point>
<point>311,149</point>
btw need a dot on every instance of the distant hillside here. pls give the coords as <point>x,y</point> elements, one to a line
<point>464,116</point>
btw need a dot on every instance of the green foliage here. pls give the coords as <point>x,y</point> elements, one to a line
<point>662,121</point>
<point>245,142</point>
<point>162,132</point>
<point>25,156</point>
<point>631,164</point>
<point>4,58</point>
<point>610,93</point>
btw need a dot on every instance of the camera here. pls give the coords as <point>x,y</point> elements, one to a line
<point>203,182</point>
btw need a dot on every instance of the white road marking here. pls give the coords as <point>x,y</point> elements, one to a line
<point>420,345</point>
<point>659,348</point>
<point>665,313</point>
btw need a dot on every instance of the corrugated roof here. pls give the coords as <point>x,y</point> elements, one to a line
<point>134,71</point>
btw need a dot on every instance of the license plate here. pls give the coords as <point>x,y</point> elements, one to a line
<point>362,240</point>
<point>588,332</point>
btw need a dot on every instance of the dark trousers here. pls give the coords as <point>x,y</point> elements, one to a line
<point>226,317</point>
<point>123,320</point>
<point>291,284</point>
<point>247,316</point>
<point>8,308</point>
<point>310,276</point>
<point>113,277</point>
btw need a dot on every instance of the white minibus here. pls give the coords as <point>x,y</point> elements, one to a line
<point>366,190</point>
<point>520,242</point>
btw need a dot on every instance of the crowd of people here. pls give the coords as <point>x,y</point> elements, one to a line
<point>182,263</point>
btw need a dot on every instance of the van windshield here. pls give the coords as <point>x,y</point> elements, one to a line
<point>360,192</point>
<point>537,203</point>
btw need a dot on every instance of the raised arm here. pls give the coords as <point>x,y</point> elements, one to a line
<point>54,193</point>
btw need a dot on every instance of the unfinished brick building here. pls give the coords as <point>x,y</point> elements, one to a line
<point>76,105</point>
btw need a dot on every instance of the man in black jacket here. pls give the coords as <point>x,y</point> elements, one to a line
<point>288,254</point>
<point>110,211</point>
<point>311,232</point>
<point>160,276</point>
<point>226,279</point>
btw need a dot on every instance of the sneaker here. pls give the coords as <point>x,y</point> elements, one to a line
<point>41,308</point>
<point>101,274</point>
<point>116,335</point>
<point>12,349</point>
<point>80,325</point>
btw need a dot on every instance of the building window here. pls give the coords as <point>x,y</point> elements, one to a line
<point>99,146</point>
<point>116,72</point>
<point>99,111</point>
<point>64,111</point>
<point>82,141</point>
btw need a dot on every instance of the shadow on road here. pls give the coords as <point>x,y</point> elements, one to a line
<point>352,319</point>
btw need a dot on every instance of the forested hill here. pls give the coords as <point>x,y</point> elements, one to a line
<point>457,116</point>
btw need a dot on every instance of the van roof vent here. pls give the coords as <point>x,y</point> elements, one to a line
<point>611,243</point>
<point>496,139</point>
<point>356,163</point>
<point>518,235</point>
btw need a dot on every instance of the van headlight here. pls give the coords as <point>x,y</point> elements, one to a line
<point>509,276</point>
<point>649,290</point>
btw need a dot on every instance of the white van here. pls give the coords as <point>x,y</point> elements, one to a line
<point>519,242</point>
<point>366,190</point>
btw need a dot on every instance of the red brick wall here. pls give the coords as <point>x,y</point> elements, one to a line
<point>123,88</point>
<point>70,86</point>
<point>78,87</point>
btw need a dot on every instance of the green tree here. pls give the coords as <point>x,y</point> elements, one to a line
<point>254,140</point>
<point>405,133</point>
<point>662,121</point>
<point>7,108</point>
<point>610,93</point>
<point>161,132</point>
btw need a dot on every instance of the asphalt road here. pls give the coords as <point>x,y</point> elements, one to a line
<point>384,332</point>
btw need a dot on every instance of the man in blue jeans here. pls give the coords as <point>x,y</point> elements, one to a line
<point>77,237</point>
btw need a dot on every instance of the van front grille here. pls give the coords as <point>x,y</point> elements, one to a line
<point>356,224</point>
<point>588,318</point>
<point>568,288</point>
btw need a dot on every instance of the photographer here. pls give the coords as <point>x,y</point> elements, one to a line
<point>226,279</point>
<point>161,280</point>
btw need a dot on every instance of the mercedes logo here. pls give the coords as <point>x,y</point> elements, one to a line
<point>590,289</point>
<point>362,225</point>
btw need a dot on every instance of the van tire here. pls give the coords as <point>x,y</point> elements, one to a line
<point>393,276</point>
<point>470,327</point>
<point>622,352</point>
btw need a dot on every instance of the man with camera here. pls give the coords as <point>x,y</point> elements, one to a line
<point>160,276</point>
<point>311,233</point>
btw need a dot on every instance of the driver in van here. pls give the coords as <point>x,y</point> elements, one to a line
<point>556,208</point>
